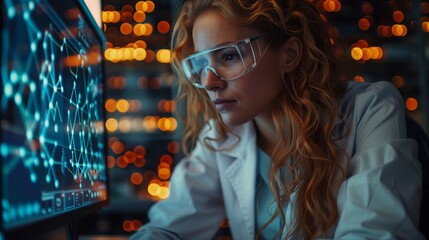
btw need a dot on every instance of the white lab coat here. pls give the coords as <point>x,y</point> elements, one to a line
<point>380,198</point>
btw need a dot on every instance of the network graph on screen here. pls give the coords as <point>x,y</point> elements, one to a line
<point>52,124</point>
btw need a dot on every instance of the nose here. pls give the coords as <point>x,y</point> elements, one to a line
<point>212,81</point>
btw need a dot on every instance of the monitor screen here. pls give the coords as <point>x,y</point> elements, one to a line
<point>52,114</point>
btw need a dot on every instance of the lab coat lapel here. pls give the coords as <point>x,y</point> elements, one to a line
<point>240,170</point>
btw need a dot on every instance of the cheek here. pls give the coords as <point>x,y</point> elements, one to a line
<point>266,79</point>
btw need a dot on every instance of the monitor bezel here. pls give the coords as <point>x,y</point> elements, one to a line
<point>51,223</point>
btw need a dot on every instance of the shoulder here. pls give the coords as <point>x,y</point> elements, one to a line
<point>362,97</point>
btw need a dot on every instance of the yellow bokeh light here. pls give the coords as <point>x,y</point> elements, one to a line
<point>111,124</point>
<point>122,105</point>
<point>104,16</point>
<point>139,29</point>
<point>148,29</point>
<point>139,6</point>
<point>110,16</point>
<point>149,6</point>
<point>124,125</point>
<point>374,52</point>
<point>154,189</point>
<point>356,53</point>
<point>164,192</point>
<point>399,30</point>
<point>163,56</point>
<point>150,123</point>
<point>139,54</point>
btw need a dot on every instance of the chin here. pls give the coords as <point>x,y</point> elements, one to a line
<point>234,121</point>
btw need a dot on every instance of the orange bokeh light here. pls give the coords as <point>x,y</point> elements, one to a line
<point>364,24</point>
<point>163,27</point>
<point>136,178</point>
<point>411,104</point>
<point>398,16</point>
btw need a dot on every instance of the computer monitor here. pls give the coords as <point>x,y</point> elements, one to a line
<point>52,149</point>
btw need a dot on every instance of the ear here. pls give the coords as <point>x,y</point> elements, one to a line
<point>291,54</point>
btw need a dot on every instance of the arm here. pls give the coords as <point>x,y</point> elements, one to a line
<point>381,197</point>
<point>194,208</point>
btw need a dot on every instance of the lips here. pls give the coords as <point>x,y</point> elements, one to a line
<point>223,104</point>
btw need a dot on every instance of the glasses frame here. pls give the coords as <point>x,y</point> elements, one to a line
<point>235,44</point>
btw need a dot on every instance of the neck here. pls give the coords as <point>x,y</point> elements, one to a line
<point>266,133</point>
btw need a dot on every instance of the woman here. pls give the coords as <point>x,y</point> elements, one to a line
<point>274,141</point>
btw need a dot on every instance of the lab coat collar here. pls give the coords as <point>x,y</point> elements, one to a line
<point>240,162</point>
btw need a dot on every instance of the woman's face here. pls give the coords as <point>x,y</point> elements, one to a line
<point>250,96</point>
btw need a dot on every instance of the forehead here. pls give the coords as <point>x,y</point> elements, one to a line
<point>212,29</point>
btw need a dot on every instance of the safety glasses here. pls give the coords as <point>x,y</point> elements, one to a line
<point>227,61</point>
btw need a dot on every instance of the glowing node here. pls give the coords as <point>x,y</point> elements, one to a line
<point>4,150</point>
<point>32,87</point>
<point>18,99</point>
<point>57,184</point>
<point>56,128</point>
<point>33,46</point>
<point>33,177</point>
<point>26,15</point>
<point>24,78</point>
<point>42,139</point>
<point>51,106</point>
<point>45,46</point>
<point>8,91</point>
<point>31,5</point>
<point>11,12</point>
<point>13,76</point>
<point>37,116</point>
<point>48,178</point>
<point>51,162</point>
<point>46,123</point>
<point>29,134</point>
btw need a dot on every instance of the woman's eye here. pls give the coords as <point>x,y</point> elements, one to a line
<point>231,56</point>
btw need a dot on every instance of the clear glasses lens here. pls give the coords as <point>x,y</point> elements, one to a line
<point>226,62</point>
